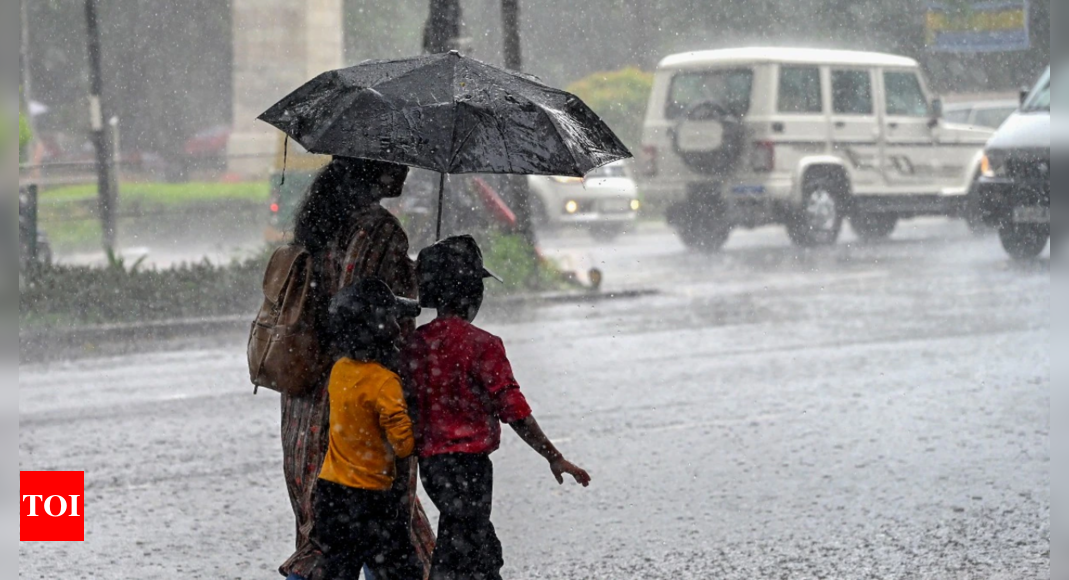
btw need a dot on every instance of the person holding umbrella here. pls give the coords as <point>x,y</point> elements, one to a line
<point>445,113</point>
<point>351,238</point>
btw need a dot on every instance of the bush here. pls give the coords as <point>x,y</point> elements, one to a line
<point>512,258</point>
<point>620,98</point>
<point>78,295</point>
<point>66,296</point>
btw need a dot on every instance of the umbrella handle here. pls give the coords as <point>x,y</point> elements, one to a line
<point>285,159</point>
<point>441,203</point>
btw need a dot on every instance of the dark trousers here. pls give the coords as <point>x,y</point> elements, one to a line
<point>462,487</point>
<point>358,527</point>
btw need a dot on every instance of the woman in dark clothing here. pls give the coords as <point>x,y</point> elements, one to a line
<point>351,237</point>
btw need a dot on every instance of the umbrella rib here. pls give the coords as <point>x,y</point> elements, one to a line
<point>456,116</point>
<point>567,146</point>
<point>460,147</point>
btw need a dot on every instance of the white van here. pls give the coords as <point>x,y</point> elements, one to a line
<point>804,138</point>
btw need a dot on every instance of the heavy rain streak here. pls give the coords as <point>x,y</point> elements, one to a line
<point>534,289</point>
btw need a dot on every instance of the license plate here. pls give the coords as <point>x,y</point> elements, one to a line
<point>1031,215</point>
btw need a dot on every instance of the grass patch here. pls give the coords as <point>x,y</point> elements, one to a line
<point>67,235</point>
<point>70,215</point>
<point>167,195</point>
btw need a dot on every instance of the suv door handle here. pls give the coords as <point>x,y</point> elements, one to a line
<point>840,124</point>
<point>893,125</point>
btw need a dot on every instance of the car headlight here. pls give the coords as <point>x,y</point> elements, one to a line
<point>571,207</point>
<point>568,180</point>
<point>993,165</point>
<point>636,205</point>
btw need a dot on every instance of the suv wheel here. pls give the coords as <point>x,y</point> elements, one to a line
<point>874,227</point>
<point>702,226</point>
<point>1024,241</point>
<point>707,240</point>
<point>820,220</point>
<point>974,212</point>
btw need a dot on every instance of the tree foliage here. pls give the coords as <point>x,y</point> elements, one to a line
<point>25,136</point>
<point>620,98</point>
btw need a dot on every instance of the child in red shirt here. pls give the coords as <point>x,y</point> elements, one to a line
<point>461,389</point>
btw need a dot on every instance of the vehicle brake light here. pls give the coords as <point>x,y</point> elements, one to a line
<point>649,161</point>
<point>763,157</point>
<point>275,208</point>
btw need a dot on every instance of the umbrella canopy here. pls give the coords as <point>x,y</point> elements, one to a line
<point>449,114</point>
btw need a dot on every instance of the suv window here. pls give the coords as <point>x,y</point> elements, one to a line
<point>800,90</point>
<point>957,116</point>
<point>905,98</point>
<point>993,117</point>
<point>730,88</point>
<point>852,92</point>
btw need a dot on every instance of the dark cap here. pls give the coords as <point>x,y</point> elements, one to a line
<point>369,295</point>
<point>453,260</point>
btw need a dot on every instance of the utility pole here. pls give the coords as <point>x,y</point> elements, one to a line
<point>24,60</point>
<point>443,27</point>
<point>106,185</point>
<point>520,192</point>
<point>510,24</point>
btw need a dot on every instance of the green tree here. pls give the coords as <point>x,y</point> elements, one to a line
<point>620,98</point>
<point>25,136</point>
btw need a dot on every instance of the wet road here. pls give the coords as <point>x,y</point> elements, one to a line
<point>867,411</point>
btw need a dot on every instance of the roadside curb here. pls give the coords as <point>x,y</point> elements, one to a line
<point>41,344</point>
<point>38,345</point>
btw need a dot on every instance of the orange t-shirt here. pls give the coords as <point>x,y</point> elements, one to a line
<point>369,426</point>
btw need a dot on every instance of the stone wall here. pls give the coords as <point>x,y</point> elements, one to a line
<point>278,46</point>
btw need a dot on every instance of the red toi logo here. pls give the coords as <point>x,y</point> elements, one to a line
<point>53,509</point>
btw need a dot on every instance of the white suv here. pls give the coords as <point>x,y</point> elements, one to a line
<point>804,138</point>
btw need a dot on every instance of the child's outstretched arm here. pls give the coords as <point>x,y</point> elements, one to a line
<point>531,433</point>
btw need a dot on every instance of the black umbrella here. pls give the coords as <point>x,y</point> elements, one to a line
<point>449,114</point>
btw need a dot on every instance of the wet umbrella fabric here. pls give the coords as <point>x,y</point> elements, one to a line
<point>449,114</point>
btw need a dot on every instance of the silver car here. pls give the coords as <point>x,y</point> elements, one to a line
<point>990,114</point>
<point>604,203</point>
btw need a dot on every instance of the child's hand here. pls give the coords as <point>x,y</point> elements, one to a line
<point>562,466</point>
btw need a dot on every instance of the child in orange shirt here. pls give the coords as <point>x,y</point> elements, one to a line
<point>358,520</point>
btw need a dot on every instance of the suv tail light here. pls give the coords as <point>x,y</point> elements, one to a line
<point>649,161</point>
<point>763,157</point>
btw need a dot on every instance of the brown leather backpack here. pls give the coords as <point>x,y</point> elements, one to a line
<point>285,350</point>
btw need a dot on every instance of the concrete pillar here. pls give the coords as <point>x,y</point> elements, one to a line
<point>278,46</point>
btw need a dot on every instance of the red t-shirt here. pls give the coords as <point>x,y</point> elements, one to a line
<point>461,388</point>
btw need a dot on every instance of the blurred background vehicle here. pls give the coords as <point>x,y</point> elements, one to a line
<point>604,203</point>
<point>1015,182</point>
<point>745,138</point>
<point>990,114</point>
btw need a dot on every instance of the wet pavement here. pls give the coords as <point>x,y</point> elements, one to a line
<point>865,411</point>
